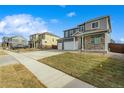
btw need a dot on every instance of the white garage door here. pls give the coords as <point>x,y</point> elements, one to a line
<point>70,45</point>
<point>59,46</point>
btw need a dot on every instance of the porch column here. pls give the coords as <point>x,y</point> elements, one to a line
<point>82,42</point>
<point>74,43</point>
<point>107,41</point>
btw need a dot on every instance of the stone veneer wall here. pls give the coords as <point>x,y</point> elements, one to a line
<point>90,46</point>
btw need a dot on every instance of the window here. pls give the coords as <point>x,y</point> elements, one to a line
<point>96,40</point>
<point>71,32</point>
<point>81,28</point>
<point>95,25</point>
<point>66,33</point>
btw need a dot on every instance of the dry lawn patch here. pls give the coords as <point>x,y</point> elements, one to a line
<point>2,53</point>
<point>17,76</point>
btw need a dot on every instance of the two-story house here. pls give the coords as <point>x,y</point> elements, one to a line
<point>5,42</point>
<point>93,35</point>
<point>43,40</point>
<point>34,40</point>
<point>14,42</point>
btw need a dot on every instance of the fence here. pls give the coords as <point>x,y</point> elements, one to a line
<point>115,47</point>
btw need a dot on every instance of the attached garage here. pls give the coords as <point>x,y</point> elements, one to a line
<point>70,45</point>
<point>67,44</point>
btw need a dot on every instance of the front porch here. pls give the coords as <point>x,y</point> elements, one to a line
<point>97,42</point>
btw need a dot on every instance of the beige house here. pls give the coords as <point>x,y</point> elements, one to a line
<point>93,35</point>
<point>43,40</point>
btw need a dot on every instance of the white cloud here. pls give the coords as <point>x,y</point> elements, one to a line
<point>122,40</point>
<point>22,24</point>
<point>54,21</point>
<point>71,14</point>
<point>63,6</point>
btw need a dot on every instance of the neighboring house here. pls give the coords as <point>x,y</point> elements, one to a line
<point>43,40</point>
<point>5,42</point>
<point>93,35</point>
<point>14,42</point>
<point>34,41</point>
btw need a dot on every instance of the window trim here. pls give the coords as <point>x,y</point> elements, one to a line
<point>95,22</point>
<point>81,28</point>
<point>95,38</point>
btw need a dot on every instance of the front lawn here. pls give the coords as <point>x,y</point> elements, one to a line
<point>17,76</point>
<point>2,53</point>
<point>98,70</point>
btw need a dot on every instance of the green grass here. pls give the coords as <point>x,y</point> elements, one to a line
<point>98,70</point>
<point>17,76</point>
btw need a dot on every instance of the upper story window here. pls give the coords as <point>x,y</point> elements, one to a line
<point>81,28</point>
<point>66,33</point>
<point>95,24</point>
<point>71,32</point>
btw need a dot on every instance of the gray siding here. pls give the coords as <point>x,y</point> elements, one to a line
<point>102,25</point>
<point>70,32</point>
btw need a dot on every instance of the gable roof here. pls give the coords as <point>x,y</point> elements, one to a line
<point>77,33</point>
<point>71,29</point>
<point>48,33</point>
<point>94,19</point>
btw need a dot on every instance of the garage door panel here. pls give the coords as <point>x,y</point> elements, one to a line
<point>70,45</point>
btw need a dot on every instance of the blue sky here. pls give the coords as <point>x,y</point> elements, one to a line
<point>56,19</point>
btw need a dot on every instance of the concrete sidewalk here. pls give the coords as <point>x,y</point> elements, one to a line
<point>7,60</point>
<point>49,76</point>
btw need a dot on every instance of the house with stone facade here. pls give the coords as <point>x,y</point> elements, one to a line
<point>92,35</point>
<point>43,40</point>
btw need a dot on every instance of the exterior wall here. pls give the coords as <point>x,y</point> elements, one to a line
<point>70,32</point>
<point>107,41</point>
<point>60,46</point>
<point>90,46</point>
<point>42,41</point>
<point>102,23</point>
<point>49,41</point>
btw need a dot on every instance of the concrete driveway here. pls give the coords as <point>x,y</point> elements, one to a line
<point>7,59</point>
<point>42,54</point>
